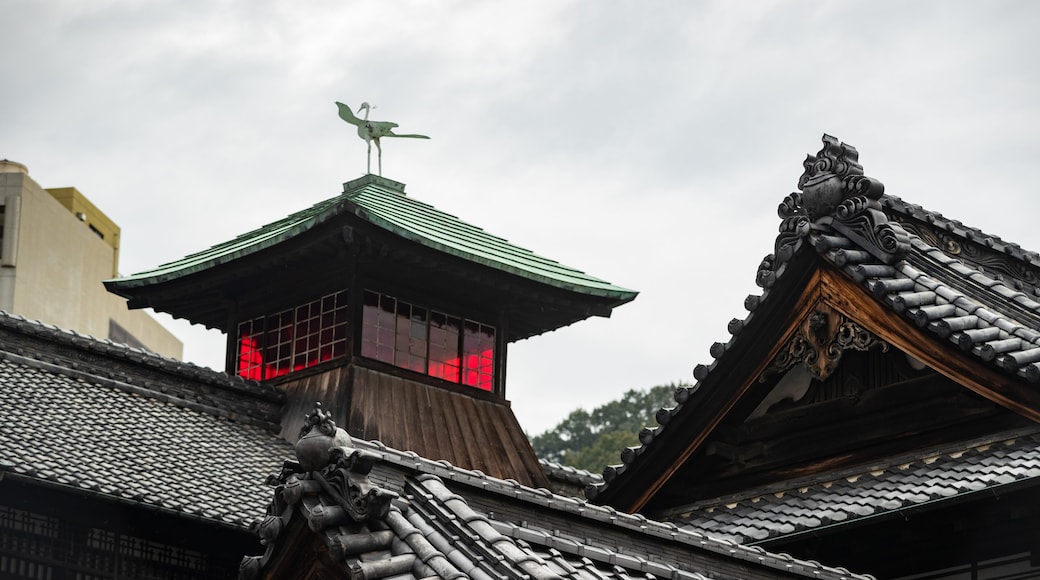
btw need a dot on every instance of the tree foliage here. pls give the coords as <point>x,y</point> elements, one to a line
<point>593,440</point>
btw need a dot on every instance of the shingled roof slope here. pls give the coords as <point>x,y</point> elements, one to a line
<point>958,284</point>
<point>385,513</point>
<point>382,202</point>
<point>991,465</point>
<point>96,417</point>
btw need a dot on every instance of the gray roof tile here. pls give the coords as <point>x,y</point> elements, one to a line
<point>125,445</point>
<point>951,473</point>
<point>74,429</point>
<point>438,518</point>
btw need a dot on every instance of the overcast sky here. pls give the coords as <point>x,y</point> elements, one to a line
<point>647,143</point>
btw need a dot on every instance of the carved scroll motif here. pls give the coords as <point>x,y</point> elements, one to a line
<point>819,343</point>
<point>862,220</point>
<point>835,196</point>
<point>346,481</point>
<point>996,264</point>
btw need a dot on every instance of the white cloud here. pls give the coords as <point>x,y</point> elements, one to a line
<point>647,143</point>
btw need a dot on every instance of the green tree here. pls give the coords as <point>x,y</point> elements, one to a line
<point>593,440</point>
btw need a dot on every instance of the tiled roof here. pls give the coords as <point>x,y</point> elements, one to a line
<point>569,474</point>
<point>953,300</point>
<point>959,284</point>
<point>446,522</point>
<point>382,202</point>
<point>1003,260</point>
<point>187,384</point>
<point>133,433</point>
<point>904,483</point>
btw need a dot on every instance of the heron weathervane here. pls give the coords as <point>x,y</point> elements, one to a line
<point>371,131</point>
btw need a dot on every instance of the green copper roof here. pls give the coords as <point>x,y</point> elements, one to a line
<point>382,203</point>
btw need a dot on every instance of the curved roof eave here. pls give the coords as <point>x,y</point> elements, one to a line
<point>404,217</point>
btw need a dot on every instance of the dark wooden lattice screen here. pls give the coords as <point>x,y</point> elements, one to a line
<point>43,547</point>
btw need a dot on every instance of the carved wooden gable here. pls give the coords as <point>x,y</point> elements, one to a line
<point>866,341</point>
<point>840,387</point>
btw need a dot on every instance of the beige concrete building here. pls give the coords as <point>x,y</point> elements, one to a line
<point>55,249</point>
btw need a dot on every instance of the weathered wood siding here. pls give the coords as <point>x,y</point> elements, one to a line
<point>473,431</point>
<point>438,423</point>
<point>331,388</point>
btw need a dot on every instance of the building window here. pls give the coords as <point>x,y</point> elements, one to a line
<point>478,355</point>
<point>427,341</point>
<point>294,339</point>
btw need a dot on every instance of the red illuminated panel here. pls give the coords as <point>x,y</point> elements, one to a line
<point>478,355</point>
<point>444,346</point>
<point>294,339</point>
<point>429,342</point>
<point>250,361</point>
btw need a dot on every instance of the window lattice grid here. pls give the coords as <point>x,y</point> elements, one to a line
<point>444,346</point>
<point>141,558</point>
<point>29,544</point>
<point>410,343</point>
<point>39,547</point>
<point>278,343</point>
<point>250,362</point>
<point>429,342</point>
<point>293,339</point>
<point>379,332</point>
<point>478,355</point>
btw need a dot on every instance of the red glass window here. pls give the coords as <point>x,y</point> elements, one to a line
<point>444,347</point>
<point>429,342</point>
<point>410,346</point>
<point>379,319</point>
<point>478,355</point>
<point>293,339</point>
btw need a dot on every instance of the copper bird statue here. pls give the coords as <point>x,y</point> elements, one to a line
<point>371,131</point>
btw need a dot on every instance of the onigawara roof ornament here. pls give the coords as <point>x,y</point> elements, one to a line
<point>371,131</point>
<point>836,197</point>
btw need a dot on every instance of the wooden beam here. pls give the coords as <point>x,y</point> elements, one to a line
<point>1006,390</point>
<point>720,400</point>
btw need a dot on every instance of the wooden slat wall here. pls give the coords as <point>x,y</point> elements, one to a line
<point>331,388</point>
<point>436,423</point>
<point>441,424</point>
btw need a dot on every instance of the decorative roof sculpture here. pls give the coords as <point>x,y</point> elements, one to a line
<point>837,198</point>
<point>855,273</point>
<point>371,131</point>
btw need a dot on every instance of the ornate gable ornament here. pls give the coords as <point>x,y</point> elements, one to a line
<point>818,344</point>
<point>328,466</point>
<point>835,198</point>
<point>836,201</point>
